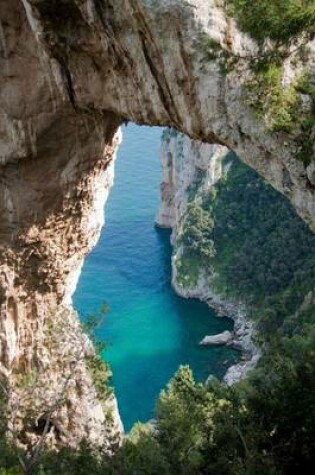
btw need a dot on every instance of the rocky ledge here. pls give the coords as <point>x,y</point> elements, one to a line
<point>242,336</point>
<point>219,339</point>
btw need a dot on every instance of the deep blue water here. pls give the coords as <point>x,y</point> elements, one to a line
<point>149,330</point>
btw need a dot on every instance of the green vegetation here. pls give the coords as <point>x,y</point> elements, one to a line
<point>279,20</point>
<point>282,108</point>
<point>264,425</point>
<point>98,367</point>
<point>282,29</point>
<point>196,238</point>
<point>307,126</point>
<point>264,251</point>
<point>264,256</point>
<point>279,106</point>
<point>261,251</point>
<point>306,86</point>
<point>284,22</point>
<point>188,267</point>
<point>196,234</point>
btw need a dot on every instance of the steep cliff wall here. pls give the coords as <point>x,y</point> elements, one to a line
<point>71,72</point>
<point>51,207</point>
<point>40,332</point>
<point>188,167</point>
<point>189,171</point>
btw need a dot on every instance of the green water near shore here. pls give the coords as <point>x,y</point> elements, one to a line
<point>149,330</point>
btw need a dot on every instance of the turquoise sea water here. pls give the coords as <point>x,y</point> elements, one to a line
<point>149,330</point>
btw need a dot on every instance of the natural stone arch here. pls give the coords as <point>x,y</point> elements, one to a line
<point>73,71</point>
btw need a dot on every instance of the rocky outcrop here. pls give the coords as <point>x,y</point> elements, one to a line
<point>55,394</point>
<point>218,339</point>
<point>71,72</point>
<point>242,337</point>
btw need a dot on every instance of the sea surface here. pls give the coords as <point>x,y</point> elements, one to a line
<point>149,330</point>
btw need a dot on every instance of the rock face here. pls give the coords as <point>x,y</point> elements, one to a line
<point>188,166</point>
<point>189,169</point>
<point>51,208</point>
<point>40,332</point>
<point>70,73</point>
<point>142,60</point>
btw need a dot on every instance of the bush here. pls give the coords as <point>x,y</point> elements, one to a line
<point>279,20</point>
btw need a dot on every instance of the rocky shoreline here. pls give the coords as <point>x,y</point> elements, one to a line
<point>242,337</point>
<point>190,168</point>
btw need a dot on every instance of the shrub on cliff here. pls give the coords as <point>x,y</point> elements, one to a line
<point>265,252</point>
<point>197,229</point>
<point>279,20</point>
<point>197,244</point>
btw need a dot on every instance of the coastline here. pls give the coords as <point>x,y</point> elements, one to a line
<point>243,327</point>
<point>188,167</point>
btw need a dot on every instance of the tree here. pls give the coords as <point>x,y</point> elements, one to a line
<point>27,418</point>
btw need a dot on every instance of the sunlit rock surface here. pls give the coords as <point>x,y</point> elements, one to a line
<point>70,73</point>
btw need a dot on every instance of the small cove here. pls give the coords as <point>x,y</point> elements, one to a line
<point>149,330</point>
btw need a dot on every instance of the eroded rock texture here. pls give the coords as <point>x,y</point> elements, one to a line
<point>189,168</point>
<point>71,72</point>
<point>51,214</point>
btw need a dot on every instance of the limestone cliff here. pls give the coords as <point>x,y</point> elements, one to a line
<point>41,338</point>
<point>189,170</point>
<point>71,71</point>
<point>188,167</point>
<point>144,61</point>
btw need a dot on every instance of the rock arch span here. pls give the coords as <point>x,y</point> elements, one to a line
<point>71,73</point>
